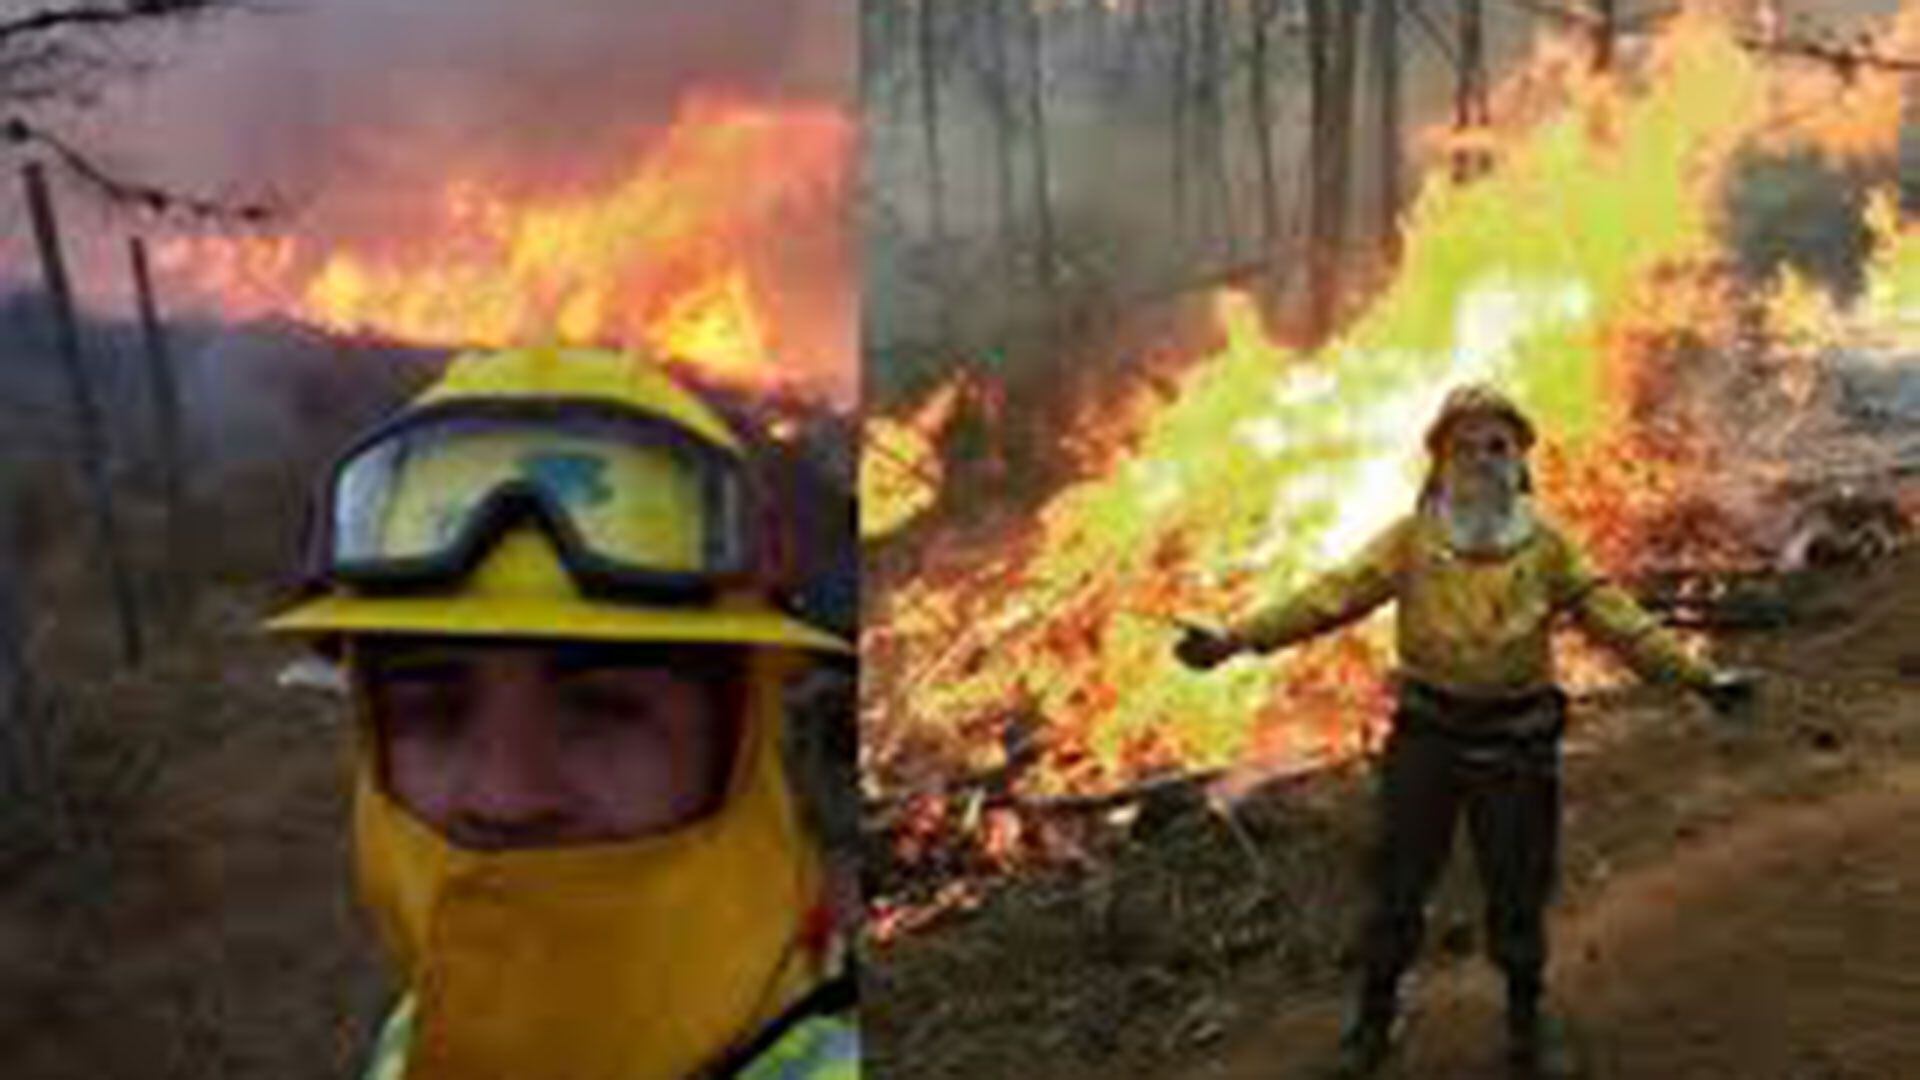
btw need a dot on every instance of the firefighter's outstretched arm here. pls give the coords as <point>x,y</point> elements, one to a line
<point>1609,615</point>
<point>1332,601</point>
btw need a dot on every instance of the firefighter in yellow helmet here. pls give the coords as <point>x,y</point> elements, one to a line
<point>573,822</point>
<point>1478,580</point>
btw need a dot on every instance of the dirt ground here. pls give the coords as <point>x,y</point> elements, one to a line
<point>1783,946</point>
<point>1737,902</point>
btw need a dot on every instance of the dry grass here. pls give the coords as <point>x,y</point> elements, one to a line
<point>187,914</point>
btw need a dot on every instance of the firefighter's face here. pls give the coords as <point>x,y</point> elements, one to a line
<point>525,745</point>
<point>1483,455</point>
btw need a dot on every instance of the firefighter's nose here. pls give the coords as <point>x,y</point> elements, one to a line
<point>512,791</point>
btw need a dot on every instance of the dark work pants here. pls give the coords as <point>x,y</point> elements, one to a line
<point>1504,779</point>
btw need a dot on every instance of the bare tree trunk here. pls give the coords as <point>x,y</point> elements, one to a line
<point>1260,110</point>
<point>166,407</point>
<point>1386,57</point>
<point>1182,48</point>
<point>1044,249</point>
<point>889,31</point>
<point>1605,30</point>
<point>1000,93</point>
<point>1139,35</point>
<point>1217,206</point>
<point>86,416</point>
<point>875,38</point>
<point>1470,114</point>
<point>1331,26</point>
<point>929,62</point>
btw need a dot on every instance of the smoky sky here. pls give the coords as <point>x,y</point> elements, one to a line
<point>345,106</point>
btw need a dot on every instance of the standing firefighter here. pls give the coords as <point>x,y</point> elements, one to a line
<point>573,821</point>
<point>1478,580</point>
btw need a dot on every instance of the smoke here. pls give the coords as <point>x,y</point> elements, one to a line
<point>358,116</point>
<point>1799,211</point>
<point>1152,174</point>
<point>1119,134</point>
<point>352,109</point>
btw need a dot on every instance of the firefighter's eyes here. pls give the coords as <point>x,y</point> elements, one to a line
<point>424,706</point>
<point>1491,444</point>
<point>605,702</point>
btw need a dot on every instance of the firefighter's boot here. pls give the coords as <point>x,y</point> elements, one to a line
<point>1537,1045</point>
<point>1368,1040</point>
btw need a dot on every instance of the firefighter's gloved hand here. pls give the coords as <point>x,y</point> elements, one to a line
<point>1731,694</point>
<point>1204,650</point>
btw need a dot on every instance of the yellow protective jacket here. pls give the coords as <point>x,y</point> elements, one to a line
<point>820,1047</point>
<point>1471,625</point>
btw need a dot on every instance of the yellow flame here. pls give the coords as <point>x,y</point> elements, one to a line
<point>900,466</point>
<point>1893,275</point>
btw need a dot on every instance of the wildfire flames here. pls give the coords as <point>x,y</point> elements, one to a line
<point>1588,273</point>
<point>900,465</point>
<point>679,256</point>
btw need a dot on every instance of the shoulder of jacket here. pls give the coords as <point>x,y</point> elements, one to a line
<point>1553,540</point>
<point>1403,530</point>
<point>1412,532</point>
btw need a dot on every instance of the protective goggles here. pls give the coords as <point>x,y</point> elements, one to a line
<point>637,507</point>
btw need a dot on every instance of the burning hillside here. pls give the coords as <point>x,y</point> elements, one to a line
<point>1588,272</point>
<point>680,254</point>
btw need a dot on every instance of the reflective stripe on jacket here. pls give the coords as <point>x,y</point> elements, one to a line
<point>823,1047</point>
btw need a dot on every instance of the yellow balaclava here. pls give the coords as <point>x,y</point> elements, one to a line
<point>645,959</point>
<point>640,959</point>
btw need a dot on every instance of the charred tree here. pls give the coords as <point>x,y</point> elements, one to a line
<point>927,44</point>
<point>1386,60</point>
<point>1045,253</point>
<point>1006,128</point>
<point>1606,28</point>
<point>86,414</point>
<point>873,43</point>
<point>1260,116</point>
<point>1470,113</point>
<point>1216,210</point>
<point>1182,48</point>
<point>1331,26</point>
<point>166,409</point>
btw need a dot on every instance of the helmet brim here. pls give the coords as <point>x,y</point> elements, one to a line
<point>567,618</point>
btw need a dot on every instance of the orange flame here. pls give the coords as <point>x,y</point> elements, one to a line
<point>677,256</point>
